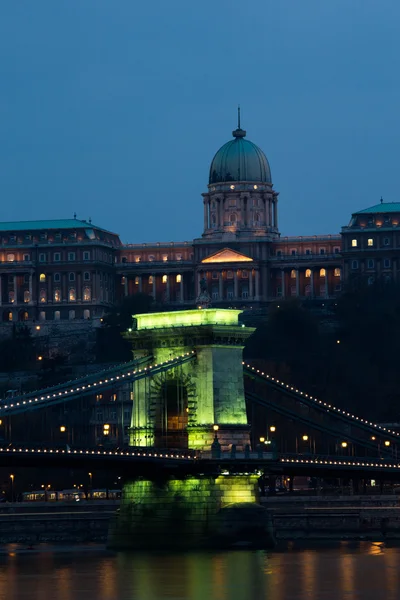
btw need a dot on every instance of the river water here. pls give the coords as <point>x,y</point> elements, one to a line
<point>346,571</point>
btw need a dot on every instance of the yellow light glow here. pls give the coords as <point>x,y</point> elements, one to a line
<point>387,443</point>
<point>272,428</point>
<point>106,427</point>
<point>40,357</point>
<point>178,278</point>
<point>215,427</point>
<point>227,255</point>
<point>188,318</point>
<point>63,429</point>
<point>305,438</point>
<point>262,440</point>
<point>373,438</point>
<point>344,444</point>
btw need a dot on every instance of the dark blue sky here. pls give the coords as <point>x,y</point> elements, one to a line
<point>114,109</point>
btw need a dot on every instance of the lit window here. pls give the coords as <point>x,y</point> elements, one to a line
<point>178,278</point>
<point>164,278</point>
<point>10,316</point>
<point>308,272</point>
<point>179,257</point>
<point>113,397</point>
<point>293,274</point>
<point>136,280</point>
<point>57,295</point>
<point>322,273</point>
<point>370,242</point>
<point>25,315</point>
<point>151,257</point>
<point>337,272</point>
<point>42,277</point>
<point>27,296</point>
<point>11,297</point>
<point>151,279</point>
<point>10,257</point>
<point>137,258</point>
<point>43,295</point>
<point>57,315</point>
<point>72,295</point>
<point>354,243</point>
<point>87,294</point>
<point>165,257</point>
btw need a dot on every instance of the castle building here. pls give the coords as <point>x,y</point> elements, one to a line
<point>72,270</point>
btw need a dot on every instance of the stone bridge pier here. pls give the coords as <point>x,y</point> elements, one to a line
<point>181,408</point>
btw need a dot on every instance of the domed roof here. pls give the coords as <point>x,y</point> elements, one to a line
<point>239,160</point>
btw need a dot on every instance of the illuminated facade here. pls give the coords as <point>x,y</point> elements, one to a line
<point>70,269</point>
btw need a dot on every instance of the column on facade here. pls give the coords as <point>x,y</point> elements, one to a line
<point>235,285</point>
<point>251,284</point>
<point>297,283</point>
<point>275,214</point>
<point>205,213</point>
<point>154,286</point>
<point>221,286</point>
<point>125,285</point>
<point>15,290</point>
<point>1,289</point>
<point>30,289</point>
<point>221,213</point>
<point>167,289</point>
<point>326,284</point>
<point>312,283</point>
<point>140,286</point>
<point>257,286</point>
<point>283,283</point>
<point>181,291</point>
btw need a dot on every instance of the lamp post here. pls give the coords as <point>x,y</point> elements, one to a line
<point>12,477</point>
<point>215,446</point>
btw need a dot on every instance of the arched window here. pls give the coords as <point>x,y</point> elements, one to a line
<point>233,218</point>
<point>308,272</point>
<point>178,278</point>
<point>322,273</point>
<point>42,277</point>
<point>71,315</point>
<point>337,272</point>
<point>57,295</point>
<point>151,279</point>
<point>42,315</point>
<point>43,295</point>
<point>293,274</point>
<point>71,277</point>
<point>23,315</point>
<point>57,315</point>
<point>164,278</point>
<point>10,258</point>
<point>11,297</point>
<point>72,295</point>
<point>27,296</point>
<point>86,313</point>
<point>87,294</point>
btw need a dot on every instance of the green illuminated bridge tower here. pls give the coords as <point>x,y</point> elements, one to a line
<point>181,407</point>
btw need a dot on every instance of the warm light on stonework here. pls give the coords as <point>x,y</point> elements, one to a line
<point>227,255</point>
<point>188,318</point>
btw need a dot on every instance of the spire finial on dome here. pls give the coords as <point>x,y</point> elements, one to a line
<point>239,132</point>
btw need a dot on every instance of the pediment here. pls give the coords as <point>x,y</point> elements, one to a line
<point>225,256</point>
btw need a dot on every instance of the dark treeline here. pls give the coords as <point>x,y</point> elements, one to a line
<point>349,357</point>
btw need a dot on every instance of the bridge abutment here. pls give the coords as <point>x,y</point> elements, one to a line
<point>194,512</point>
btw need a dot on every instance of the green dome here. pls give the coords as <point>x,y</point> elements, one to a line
<point>239,160</point>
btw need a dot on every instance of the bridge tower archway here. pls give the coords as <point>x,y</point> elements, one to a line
<point>182,406</point>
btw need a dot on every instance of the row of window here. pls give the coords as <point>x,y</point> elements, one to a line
<point>387,263</point>
<point>87,295</point>
<point>308,251</point>
<point>152,258</point>
<point>43,257</point>
<point>57,277</point>
<point>10,316</point>
<point>322,273</point>
<point>370,242</point>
